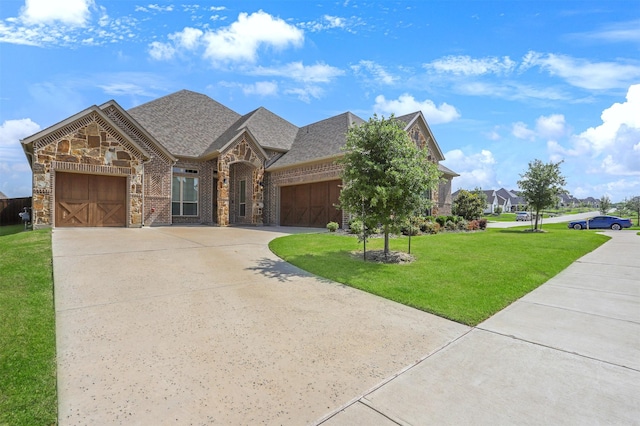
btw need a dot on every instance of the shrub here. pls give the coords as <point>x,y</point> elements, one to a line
<point>453,219</point>
<point>462,224</point>
<point>356,227</point>
<point>431,227</point>
<point>474,225</point>
<point>441,220</point>
<point>332,226</point>
<point>450,226</point>
<point>482,224</point>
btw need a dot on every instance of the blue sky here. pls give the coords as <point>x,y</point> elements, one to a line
<point>501,83</point>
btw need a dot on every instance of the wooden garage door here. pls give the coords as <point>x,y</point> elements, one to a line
<point>90,200</point>
<point>310,205</point>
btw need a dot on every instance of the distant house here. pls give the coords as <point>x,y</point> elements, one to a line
<point>2,196</point>
<point>507,200</point>
<point>590,202</point>
<point>187,159</point>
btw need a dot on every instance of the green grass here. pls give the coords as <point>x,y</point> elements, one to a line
<point>466,277</point>
<point>10,229</point>
<point>27,329</point>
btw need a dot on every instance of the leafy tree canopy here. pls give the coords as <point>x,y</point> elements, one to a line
<point>470,204</point>
<point>605,204</point>
<point>386,175</point>
<point>541,185</point>
<point>634,205</point>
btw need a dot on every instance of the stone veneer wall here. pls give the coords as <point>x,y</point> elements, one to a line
<point>316,172</point>
<point>247,153</point>
<point>88,145</point>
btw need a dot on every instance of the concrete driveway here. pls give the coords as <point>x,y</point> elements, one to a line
<point>567,353</point>
<point>203,325</point>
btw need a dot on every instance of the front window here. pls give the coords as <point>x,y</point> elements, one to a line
<point>243,198</point>
<point>184,198</point>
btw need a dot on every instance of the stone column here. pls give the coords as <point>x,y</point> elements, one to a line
<point>258,196</point>
<point>223,191</point>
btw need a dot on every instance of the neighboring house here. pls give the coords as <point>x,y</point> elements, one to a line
<point>2,196</point>
<point>513,201</point>
<point>507,200</point>
<point>185,158</point>
<point>590,202</point>
<point>494,200</point>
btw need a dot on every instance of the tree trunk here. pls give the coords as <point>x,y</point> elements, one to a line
<point>537,215</point>
<point>386,240</point>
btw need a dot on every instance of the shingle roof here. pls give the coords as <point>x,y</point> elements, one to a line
<point>322,139</point>
<point>270,131</point>
<point>446,170</point>
<point>185,122</point>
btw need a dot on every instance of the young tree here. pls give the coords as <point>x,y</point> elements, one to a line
<point>386,176</point>
<point>470,204</point>
<point>634,205</point>
<point>541,185</point>
<point>605,204</point>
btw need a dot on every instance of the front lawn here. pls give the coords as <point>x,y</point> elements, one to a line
<point>466,277</point>
<point>27,329</point>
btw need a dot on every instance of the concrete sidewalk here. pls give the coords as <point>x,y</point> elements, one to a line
<point>566,353</point>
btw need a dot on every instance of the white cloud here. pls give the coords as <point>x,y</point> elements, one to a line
<point>239,42</point>
<point>325,23</point>
<point>318,73</point>
<point>261,88</point>
<point>15,175</point>
<point>306,93</point>
<point>582,73</point>
<point>615,33</point>
<point>70,12</point>
<point>380,75</point>
<point>188,38</point>
<point>617,122</point>
<point>242,39</point>
<point>521,131</point>
<point>161,51</point>
<point>467,66</point>
<point>11,131</point>
<point>477,170</point>
<point>552,126</point>
<point>406,104</point>
<point>159,8</point>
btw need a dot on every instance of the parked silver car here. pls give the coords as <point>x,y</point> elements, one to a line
<point>524,216</point>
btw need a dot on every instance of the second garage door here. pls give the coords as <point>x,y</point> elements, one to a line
<point>311,204</point>
<point>90,200</point>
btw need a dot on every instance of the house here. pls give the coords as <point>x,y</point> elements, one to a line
<point>507,200</point>
<point>494,201</point>
<point>186,159</point>
<point>513,201</point>
<point>2,196</point>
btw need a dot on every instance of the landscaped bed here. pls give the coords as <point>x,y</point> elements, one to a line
<point>27,328</point>
<point>466,276</point>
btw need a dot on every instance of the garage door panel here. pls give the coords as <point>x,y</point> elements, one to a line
<point>287,194</point>
<point>90,200</point>
<point>311,205</point>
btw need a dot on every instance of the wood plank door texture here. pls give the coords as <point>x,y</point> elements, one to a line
<point>310,205</point>
<point>90,200</point>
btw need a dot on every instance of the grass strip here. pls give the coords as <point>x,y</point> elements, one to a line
<point>27,329</point>
<point>465,277</point>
